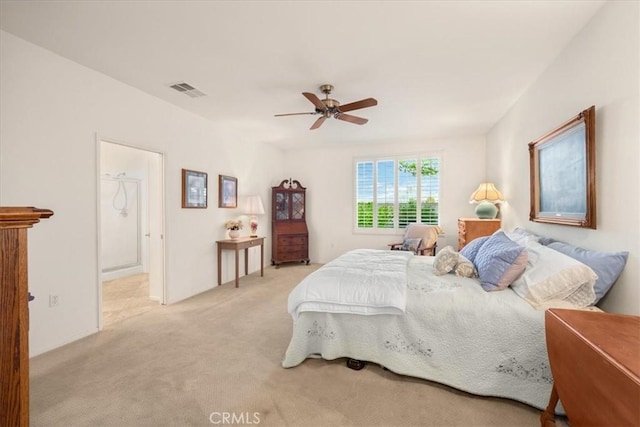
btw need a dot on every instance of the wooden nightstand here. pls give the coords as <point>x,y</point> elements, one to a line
<point>472,228</point>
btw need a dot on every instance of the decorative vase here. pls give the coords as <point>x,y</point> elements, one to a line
<point>486,210</point>
<point>234,234</point>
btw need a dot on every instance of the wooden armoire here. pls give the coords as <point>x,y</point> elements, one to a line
<point>14,313</point>
<point>290,236</point>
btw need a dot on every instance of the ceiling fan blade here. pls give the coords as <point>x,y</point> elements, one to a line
<point>351,119</point>
<point>318,123</point>
<point>363,103</point>
<point>293,114</point>
<point>315,101</point>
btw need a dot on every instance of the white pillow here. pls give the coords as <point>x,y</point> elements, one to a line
<point>554,279</point>
<point>521,236</point>
<point>465,268</point>
<point>445,261</point>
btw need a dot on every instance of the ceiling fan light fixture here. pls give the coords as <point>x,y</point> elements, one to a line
<point>331,108</point>
<point>331,103</point>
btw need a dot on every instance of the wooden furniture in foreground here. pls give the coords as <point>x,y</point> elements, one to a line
<point>595,362</point>
<point>237,244</point>
<point>472,228</point>
<point>14,313</point>
<point>290,236</point>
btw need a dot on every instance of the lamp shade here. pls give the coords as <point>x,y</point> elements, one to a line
<point>486,192</point>
<point>253,205</point>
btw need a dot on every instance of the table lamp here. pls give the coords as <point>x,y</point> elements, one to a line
<point>486,196</point>
<point>253,206</point>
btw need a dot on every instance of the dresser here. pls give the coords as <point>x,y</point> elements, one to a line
<point>14,313</point>
<point>595,362</point>
<point>290,236</point>
<point>472,228</point>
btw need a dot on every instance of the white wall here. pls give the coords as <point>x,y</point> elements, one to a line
<point>51,110</point>
<point>599,67</point>
<point>329,177</point>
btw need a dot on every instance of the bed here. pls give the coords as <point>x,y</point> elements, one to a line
<point>450,330</point>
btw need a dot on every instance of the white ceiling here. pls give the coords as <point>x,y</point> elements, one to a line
<point>437,68</point>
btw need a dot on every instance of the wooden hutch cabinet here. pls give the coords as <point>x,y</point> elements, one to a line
<point>290,236</point>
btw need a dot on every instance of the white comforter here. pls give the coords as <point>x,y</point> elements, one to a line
<point>453,332</point>
<point>362,281</point>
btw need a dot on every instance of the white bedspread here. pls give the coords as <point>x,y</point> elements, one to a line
<point>362,281</point>
<point>453,332</point>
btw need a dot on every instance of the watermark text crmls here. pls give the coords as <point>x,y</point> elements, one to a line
<point>231,418</point>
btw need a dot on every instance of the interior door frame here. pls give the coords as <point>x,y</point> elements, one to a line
<point>98,140</point>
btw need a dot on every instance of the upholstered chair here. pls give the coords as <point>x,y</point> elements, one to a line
<point>421,239</point>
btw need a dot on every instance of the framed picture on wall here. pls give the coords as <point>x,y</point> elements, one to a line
<point>194,189</point>
<point>227,191</point>
<point>563,173</point>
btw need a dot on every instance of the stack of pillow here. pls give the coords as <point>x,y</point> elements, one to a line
<point>496,260</point>
<point>449,261</point>
<point>607,266</point>
<point>543,271</point>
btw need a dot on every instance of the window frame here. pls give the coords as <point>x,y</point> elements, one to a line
<point>419,157</point>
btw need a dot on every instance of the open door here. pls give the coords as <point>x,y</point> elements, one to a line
<point>130,227</point>
<point>155,236</point>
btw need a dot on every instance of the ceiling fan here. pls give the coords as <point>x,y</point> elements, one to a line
<point>331,108</point>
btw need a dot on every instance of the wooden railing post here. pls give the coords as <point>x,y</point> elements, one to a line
<point>14,313</point>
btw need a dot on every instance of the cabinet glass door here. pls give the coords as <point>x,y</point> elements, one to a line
<point>298,206</point>
<point>282,207</point>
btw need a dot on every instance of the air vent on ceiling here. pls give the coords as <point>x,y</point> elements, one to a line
<point>187,89</point>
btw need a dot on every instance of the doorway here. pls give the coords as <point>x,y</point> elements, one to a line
<point>131,231</point>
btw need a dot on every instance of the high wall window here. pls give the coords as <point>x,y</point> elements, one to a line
<point>393,192</point>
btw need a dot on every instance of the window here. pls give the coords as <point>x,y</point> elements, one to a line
<point>393,192</point>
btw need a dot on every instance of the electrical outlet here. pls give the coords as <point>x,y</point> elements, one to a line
<point>54,300</point>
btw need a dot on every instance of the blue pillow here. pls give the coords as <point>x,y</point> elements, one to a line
<point>497,258</point>
<point>471,250</point>
<point>411,244</point>
<point>607,265</point>
<point>546,241</point>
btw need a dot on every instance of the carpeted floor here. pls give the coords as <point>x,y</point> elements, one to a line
<point>215,359</point>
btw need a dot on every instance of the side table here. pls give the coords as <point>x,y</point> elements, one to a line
<point>237,244</point>
<point>595,363</point>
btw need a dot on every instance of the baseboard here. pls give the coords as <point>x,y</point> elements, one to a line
<point>124,272</point>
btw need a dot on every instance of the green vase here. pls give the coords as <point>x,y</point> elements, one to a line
<point>486,210</point>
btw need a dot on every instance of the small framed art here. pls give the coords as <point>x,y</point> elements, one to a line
<point>227,192</point>
<point>194,189</point>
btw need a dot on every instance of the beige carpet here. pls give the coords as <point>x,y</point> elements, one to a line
<point>216,357</point>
